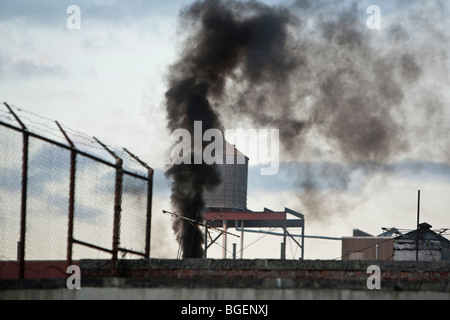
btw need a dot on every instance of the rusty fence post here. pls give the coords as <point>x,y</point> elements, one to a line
<point>73,163</point>
<point>23,210</point>
<point>117,206</point>
<point>23,215</point>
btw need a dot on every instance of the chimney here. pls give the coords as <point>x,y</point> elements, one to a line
<point>424,226</point>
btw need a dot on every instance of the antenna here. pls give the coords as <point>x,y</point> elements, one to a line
<point>417,232</point>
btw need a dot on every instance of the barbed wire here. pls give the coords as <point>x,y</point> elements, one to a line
<point>9,118</point>
<point>50,188</point>
<point>31,113</point>
<point>5,112</point>
<point>50,129</point>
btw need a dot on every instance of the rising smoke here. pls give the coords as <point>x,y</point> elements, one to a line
<point>247,42</point>
<point>309,69</point>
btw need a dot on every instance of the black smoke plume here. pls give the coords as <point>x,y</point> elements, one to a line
<point>343,94</point>
<point>186,103</point>
<point>229,39</point>
<point>311,69</point>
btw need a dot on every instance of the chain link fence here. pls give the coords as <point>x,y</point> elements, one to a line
<point>65,196</point>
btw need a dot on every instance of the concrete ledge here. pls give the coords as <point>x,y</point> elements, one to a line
<point>200,264</point>
<point>240,295</point>
<point>278,274</point>
<point>251,274</point>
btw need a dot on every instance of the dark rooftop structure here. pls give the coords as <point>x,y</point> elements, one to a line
<point>425,233</point>
<point>423,244</point>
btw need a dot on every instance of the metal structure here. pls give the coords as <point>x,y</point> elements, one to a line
<point>226,207</point>
<point>232,192</point>
<point>196,222</point>
<point>127,185</point>
<point>244,221</point>
<point>398,245</point>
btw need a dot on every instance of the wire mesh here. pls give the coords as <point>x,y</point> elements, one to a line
<point>133,217</point>
<point>48,196</point>
<point>47,201</point>
<point>10,188</point>
<point>94,205</point>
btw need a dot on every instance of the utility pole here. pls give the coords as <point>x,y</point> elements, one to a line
<point>417,231</point>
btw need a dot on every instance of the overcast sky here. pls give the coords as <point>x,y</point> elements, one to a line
<point>107,80</point>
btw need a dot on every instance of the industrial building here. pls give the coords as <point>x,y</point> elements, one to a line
<point>423,244</point>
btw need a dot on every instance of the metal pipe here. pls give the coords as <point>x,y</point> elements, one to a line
<point>282,234</point>
<point>215,239</point>
<point>132,252</point>
<point>303,240</point>
<point>242,240</point>
<point>92,246</point>
<point>293,238</point>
